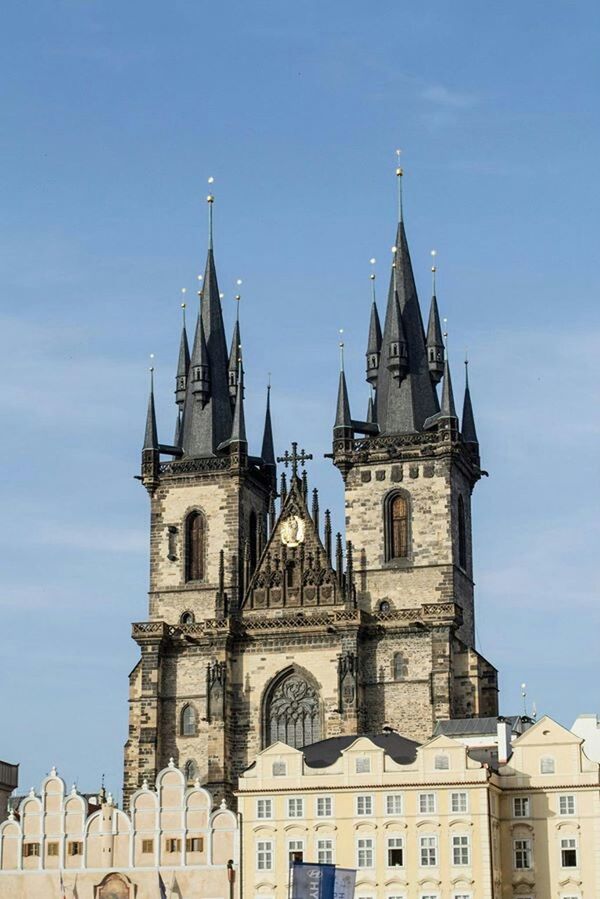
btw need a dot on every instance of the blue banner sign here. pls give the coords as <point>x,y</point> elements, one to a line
<point>312,881</point>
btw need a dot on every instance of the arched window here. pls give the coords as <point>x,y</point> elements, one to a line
<point>191,771</point>
<point>187,618</point>
<point>290,570</point>
<point>292,712</point>
<point>253,540</point>
<point>399,666</point>
<point>462,534</point>
<point>194,543</point>
<point>397,526</point>
<point>188,721</point>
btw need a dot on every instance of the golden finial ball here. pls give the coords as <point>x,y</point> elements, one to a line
<point>211,180</point>
<point>183,305</point>
<point>372,276</point>
<point>399,172</point>
<point>210,199</point>
<point>237,297</point>
<point>433,268</point>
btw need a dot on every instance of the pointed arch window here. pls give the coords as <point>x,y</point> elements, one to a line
<point>292,712</point>
<point>462,534</point>
<point>195,534</point>
<point>399,666</point>
<point>188,721</point>
<point>191,771</point>
<point>397,526</point>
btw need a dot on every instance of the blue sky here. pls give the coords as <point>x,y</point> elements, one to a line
<point>113,117</point>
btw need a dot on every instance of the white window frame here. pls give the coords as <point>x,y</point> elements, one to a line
<point>298,802</point>
<point>319,849</point>
<point>427,797</point>
<point>395,838</point>
<point>525,847</point>
<point>434,846</point>
<point>568,799</point>
<point>297,848</point>
<point>459,796</point>
<point>324,800</point>
<point>441,762</point>
<point>267,803</point>
<point>548,761</point>
<point>365,849</point>
<point>362,764</point>
<point>396,799</point>
<point>523,800</point>
<point>462,895</point>
<point>367,799</point>
<point>571,848</point>
<point>461,848</point>
<point>264,848</point>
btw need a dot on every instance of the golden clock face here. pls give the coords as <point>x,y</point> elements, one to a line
<point>292,531</point>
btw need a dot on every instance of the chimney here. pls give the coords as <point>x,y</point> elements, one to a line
<point>504,731</point>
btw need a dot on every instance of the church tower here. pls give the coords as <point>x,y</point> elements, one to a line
<point>409,472</point>
<point>263,624</point>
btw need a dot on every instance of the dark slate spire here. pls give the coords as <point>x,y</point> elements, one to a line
<point>183,365</point>
<point>403,407</point>
<point>268,450</point>
<point>199,367</point>
<point>343,419</point>
<point>398,347</point>
<point>468,419</point>
<point>151,435</point>
<point>177,437</point>
<point>448,409</point>
<point>235,355</point>
<point>206,425</point>
<point>374,343</point>
<point>238,428</point>
<point>435,343</point>
<point>370,411</point>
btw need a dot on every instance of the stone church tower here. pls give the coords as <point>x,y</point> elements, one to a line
<point>264,627</point>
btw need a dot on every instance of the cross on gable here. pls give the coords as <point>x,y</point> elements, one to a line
<point>294,458</point>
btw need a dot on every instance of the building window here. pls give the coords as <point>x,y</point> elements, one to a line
<point>324,807</point>
<point>363,765</point>
<point>462,896</point>
<point>188,721</point>
<point>395,852</point>
<point>393,804</point>
<point>194,545</point>
<point>253,540</point>
<point>568,853</point>
<point>459,803</point>
<point>194,844</point>
<point>365,853</point>
<point>384,607</point>
<point>191,771</point>
<point>187,618</point>
<point>428,851</point>
<point>441,763</point>
<point>295,808</point>
<point>364,805</point>
<point>264,808</point>
<point>295,851</point>
<point>290,571</point>
<point>397,526</point>
<point>325,852</point>
<point>147,847</point>
<point>292,712</point>
<point>75,848</point>
<point>52,848</point>
<point>264,855</point>
<point>279,769</point>
<point>427,803</point>
<point>172,845</point>
<point>566,805</point>
<point>521,807</point>
<point>522,850</point>
<point>462,534</point>
<point>547,765</point>
<point>399,666</point>
<point>31,849</point>
<point>461,854</point>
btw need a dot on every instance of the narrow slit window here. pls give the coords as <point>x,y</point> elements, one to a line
<point>195,535</point>
<point>398,527</point>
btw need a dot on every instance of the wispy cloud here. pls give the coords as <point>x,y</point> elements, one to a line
<point>442,96</point>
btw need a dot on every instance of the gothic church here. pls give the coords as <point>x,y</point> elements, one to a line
<point>262,625</point>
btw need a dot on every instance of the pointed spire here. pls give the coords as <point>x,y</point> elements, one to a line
<point>177,436</point>
<point>370,411</point>
<point>199,367</point>
<point>327,535</point>
<point>448,409</point>
<point>374,341</point>
<point>468,430</point>
<point>342,416</point>
<point>238,429</point>
<point>183,362</point>
<point>268,450</point>
<point>235,354</point>
<point>398,348</point>
<point>150,435</point>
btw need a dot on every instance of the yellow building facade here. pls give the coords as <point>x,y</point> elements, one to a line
<point>437,821</point>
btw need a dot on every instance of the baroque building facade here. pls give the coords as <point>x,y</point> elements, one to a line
<point>262,625</point>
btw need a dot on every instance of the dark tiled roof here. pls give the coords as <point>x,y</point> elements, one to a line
<point>455,727</point>
<point>324,753</point>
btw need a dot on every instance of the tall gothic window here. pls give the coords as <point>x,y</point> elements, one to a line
<point>399,666</point>
<point>292,713</point>
<point>462,534</point>
<point>188,721</point>
<point>253,540</point>
<point>191,771</point>
<point>195,537</point>
<point>397,527</point>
